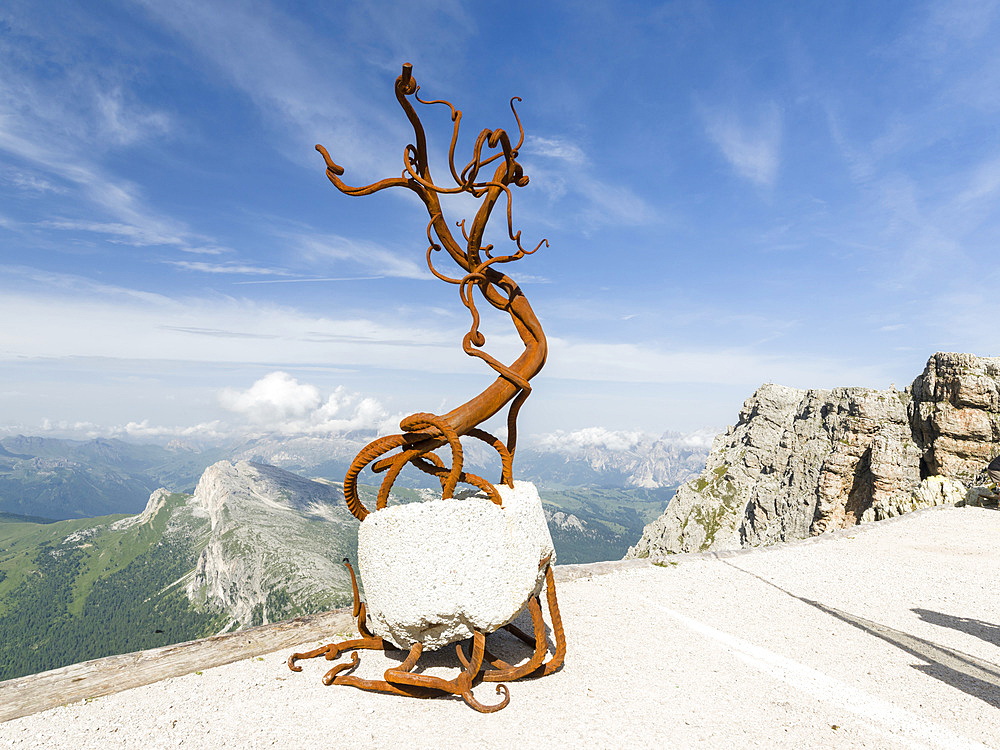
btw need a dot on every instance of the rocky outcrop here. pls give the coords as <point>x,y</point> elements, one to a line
<point>157,501</point>
<point>956,415</point>
<point>275,545</point>
<point>801,462</point>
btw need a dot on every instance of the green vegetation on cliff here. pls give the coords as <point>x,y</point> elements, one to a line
<point>78,590</point>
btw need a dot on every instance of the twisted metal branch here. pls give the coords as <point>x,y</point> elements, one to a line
<point>423,433</point>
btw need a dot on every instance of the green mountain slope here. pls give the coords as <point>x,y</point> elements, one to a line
<point>254,544</point>
<point>595,524</point>
<point>80,589</point>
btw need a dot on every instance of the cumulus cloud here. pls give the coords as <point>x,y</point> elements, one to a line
<point>697,440</point>
<point>274,398</point>
<point>280,403</point>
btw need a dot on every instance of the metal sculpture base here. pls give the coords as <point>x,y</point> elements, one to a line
<point>402,680</point>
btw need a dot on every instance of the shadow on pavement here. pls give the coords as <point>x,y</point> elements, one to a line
<point>978,678</point>
<point>985,630</point>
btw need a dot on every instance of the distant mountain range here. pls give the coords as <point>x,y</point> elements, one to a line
<point>60,479</point>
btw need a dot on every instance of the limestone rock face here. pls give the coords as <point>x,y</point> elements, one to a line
<point>801,462</point>
<point>275,545</point>
<point>435,571</point>
<point>957,415</point>
<point>931,491</point>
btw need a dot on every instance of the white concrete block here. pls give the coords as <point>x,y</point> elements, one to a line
<point>435,571</point>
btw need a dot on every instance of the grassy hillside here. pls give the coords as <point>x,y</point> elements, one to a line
<point>80,589</point>
<point>610,520</point>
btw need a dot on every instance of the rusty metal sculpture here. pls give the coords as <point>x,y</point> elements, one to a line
<point>425,433</point>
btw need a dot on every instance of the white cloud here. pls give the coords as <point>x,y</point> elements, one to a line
<point>558,167</point>
<point>984,183</point>
<point>623,362</point>
<point>67,316</point>
<point>56,129</point>
<point>619,441</point>
<point>127,122</point>
<point>369,255</point>
<point>554,148</point>
<point>753,150</point>
<point>274,398</point>
<point>214,430</point>
<point>699,439</point>
<point>297,79</point>
<point>240,268</point>
<point>589,437</point>
<point>28,181</point>
<point>74,317</point>
<point>279,403</point>
<point>142,234</point>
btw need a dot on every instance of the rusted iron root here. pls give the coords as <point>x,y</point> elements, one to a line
<point>424,433</point>
<point>402,680</point>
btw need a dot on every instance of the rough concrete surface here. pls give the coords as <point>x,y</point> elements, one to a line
<point>889,638</point>
<point>435,571</point>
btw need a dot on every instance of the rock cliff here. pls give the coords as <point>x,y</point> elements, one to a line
<point>275,545</point>
<point>801,462</point>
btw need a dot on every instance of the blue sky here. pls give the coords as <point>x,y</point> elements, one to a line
<point>733,193</point>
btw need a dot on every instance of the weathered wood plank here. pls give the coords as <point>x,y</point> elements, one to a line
<point>90,679</point>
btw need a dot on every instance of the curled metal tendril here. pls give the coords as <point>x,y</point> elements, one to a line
<point>480,276</point>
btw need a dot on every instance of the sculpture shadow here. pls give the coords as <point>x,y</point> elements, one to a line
<point>978,678</point>
<point>971,675</point>
<point>985,630</point>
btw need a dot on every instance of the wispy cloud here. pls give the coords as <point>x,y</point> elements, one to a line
<point>560,168</point>
<point>625,362</point>
<point>555,148</point>
<point>28,138</point>
<point>27,181</point>
<point>226,268</point>
<point>752,148</point>
<point>309,280</point>
<point>67,316</point>
<point>147,234</point>
<point>58,127</point>
<point>364,253</point>
<point>125,121</point>
<point>297,80</point>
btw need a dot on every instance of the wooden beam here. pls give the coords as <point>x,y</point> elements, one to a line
<point>30,694</point>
